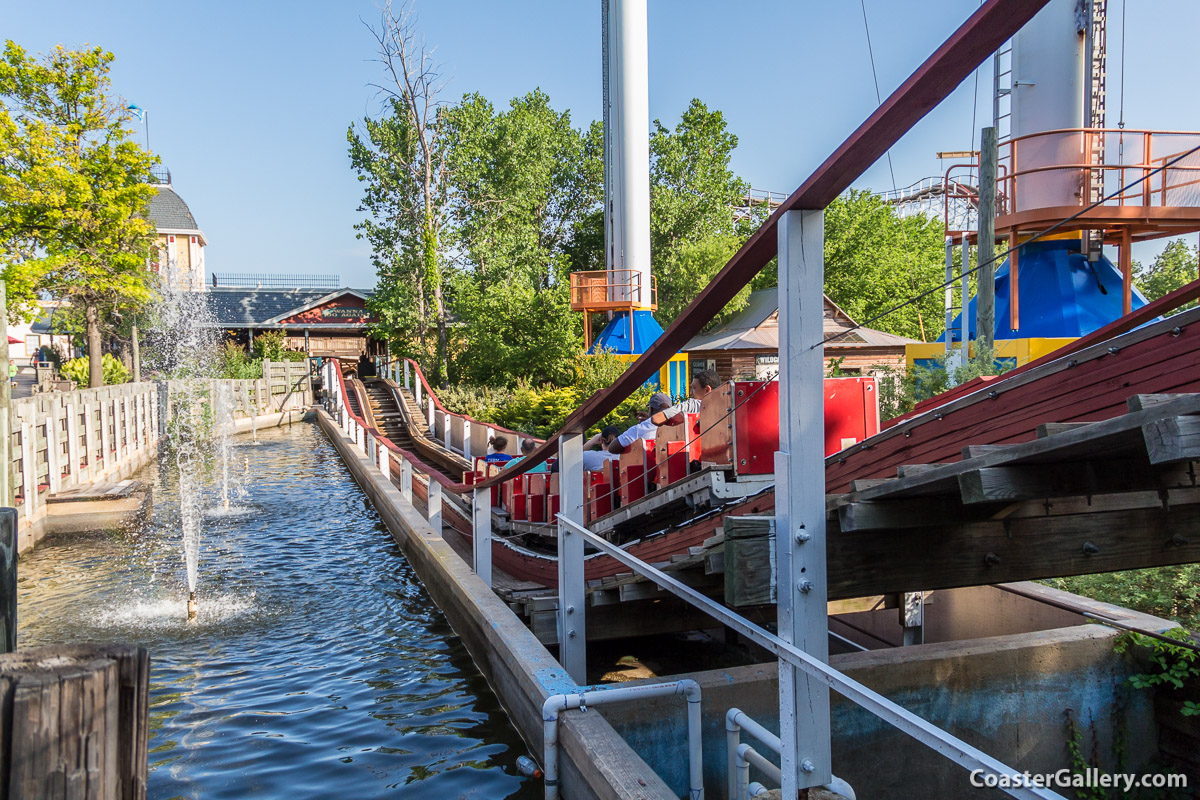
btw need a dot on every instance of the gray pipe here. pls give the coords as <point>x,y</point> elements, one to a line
<point>558,703</point>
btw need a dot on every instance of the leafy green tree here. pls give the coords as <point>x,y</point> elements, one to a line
<point>693,192</point>
<point>523,180</point>
<point>1172,269</point>
<point>874,260</point>
<point>73,222</point>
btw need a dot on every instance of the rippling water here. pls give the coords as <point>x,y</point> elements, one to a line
<point>318,664</point>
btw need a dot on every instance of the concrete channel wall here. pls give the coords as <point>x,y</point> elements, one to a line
<point>67,440</point>
<point>595,761</point>
<point>1006,694</point>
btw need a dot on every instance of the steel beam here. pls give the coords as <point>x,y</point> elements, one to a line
<point>572,605</point>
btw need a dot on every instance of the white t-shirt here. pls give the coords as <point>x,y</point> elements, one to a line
<point>594,460</point>
<point>643,430</point>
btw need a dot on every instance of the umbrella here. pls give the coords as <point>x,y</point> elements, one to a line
<point>15,340</point>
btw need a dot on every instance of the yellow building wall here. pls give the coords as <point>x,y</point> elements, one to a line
<point>1022,351</point>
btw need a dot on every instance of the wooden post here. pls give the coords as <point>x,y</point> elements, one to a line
<point>89,439</point>
<point>985,251</point>
<point>406,479</point>
<point>1014,295</point>
<point>137,356</point>
<point>53,468</point>
<point>78,722</point>
<point>28,470</point>
<point>105,438</point>
<point>8,580</point>
<point>802,606</point>
<point>73,443</point>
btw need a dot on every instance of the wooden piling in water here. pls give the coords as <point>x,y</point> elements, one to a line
<point>74,722</point>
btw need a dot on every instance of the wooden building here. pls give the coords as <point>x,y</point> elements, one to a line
<point>317,321</point>
<point>747,346</point>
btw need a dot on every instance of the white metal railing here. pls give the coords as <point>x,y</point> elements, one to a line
<point>925,732</point>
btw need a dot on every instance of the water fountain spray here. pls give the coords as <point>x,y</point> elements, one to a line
<point>192,606</point>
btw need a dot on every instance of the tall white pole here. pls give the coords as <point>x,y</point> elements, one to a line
<point>1048,94</point>
<point>627,147</point>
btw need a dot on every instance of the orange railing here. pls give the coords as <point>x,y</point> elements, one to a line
<point>604,290</point>
<point>1098,162</point>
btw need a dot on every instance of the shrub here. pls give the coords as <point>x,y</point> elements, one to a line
<point>272,346</point>
<point>114,371</point>
<point>234,362</point>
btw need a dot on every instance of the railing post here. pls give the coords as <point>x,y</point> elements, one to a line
<point>417,393</point>
<point>481,529</point>
<point>89,438</point>
<point>800,501</point>
<point>572,623</point>
<point>105,437</point>
<point>382,453</point>
<point>466,425</point>
<point>406,479</point>
<point>53,472</point>
<point>73,443</point>
<point>28,470</point>
<point>432,418</point>
<point>434,506</point>
<point>406,380</point>
<point>447,428</point>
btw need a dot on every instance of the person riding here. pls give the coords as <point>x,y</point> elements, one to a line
<point>594,460</point>
<point>702,384</point>
<point>496,448</point>
<point>646,428</point>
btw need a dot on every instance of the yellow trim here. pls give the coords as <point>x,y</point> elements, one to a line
<point>1023,350</point>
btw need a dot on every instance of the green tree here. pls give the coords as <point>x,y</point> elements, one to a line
<point>693,192</point>
<point>875,259</point>
<point>73,222</point>
<point>1173,268</point>
<point>523,180</point>
<point>401,158</point>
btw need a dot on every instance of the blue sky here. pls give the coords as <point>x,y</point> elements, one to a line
<point>249,101</point>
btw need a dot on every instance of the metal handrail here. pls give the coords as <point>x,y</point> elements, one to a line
<point>902,719</point>
<point>612,282</point>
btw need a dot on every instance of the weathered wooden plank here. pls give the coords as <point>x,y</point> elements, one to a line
<point>1140,402</point>
<point>868,483</point>
<point>980,450</point>
<point>1172,439</point>
<point>1032,481</point>
<point>920,512</point>
<point>1052,428</point>
<point>909,470</point>
<point>998,551</point>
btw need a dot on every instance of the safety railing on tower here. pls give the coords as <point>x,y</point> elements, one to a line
<point>1079,166</point>
<point>611,290</point>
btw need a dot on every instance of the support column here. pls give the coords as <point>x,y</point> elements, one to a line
<point>481,540</point>
<point>382,452</point>
<point>800,500</point>
<point>985,251</point>
<point>467,440</point>
<point>28,469</point>
<point>1126,271</point>
<point>434,506</point>
<point>572,627</point>
<point>432,418</point>
<point>406,378</point>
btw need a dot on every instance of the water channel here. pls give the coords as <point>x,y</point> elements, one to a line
<point>318,665</point>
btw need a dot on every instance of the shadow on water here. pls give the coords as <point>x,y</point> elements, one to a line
<point>318,665</point>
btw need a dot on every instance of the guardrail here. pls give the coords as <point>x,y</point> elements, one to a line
<point>953,748</point>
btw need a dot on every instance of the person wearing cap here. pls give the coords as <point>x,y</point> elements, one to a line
<point>647,428</point>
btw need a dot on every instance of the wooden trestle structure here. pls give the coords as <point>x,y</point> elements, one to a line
<point>1081,464</point>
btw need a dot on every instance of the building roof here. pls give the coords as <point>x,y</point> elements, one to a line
<point>243,308</point>
<point>756,327</point>
<point>169,212</point>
